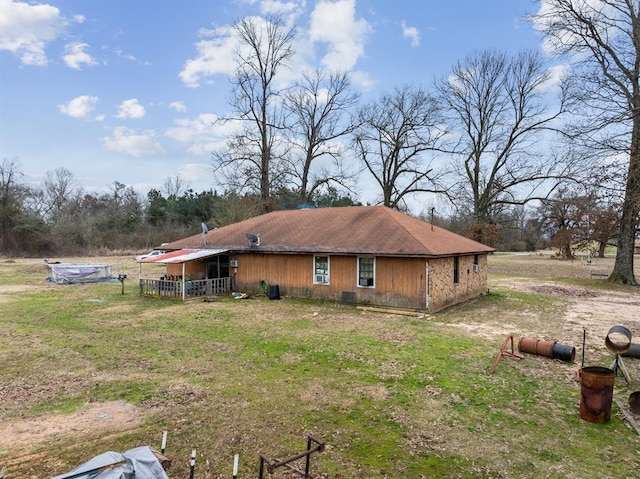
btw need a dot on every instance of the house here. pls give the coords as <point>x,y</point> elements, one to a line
<point>362,254</point>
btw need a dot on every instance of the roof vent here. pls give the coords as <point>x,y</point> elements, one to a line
<point>254,240</point>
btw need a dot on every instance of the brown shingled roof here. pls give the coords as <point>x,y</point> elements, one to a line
<point>375,230</point>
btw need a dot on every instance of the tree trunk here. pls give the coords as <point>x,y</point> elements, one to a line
<point>602,246</point>
<point>623,268</point>
<point>265,190</point>
<point>567,253</point>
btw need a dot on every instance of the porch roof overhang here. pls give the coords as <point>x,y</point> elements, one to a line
<point>183,256</point>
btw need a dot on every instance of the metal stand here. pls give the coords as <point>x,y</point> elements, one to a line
<point>273,464</point>
<point>618,365</point>
<point>504,352</point>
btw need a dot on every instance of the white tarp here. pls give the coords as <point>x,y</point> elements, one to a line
<point>67,273</point>
<point>138,463</point>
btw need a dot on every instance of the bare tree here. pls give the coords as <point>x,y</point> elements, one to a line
<point>175,186</point>
<point>252,157</point>
<point>21,230</point>
<point>602,39</point>
<point>499,117</point>
<point>10,202</point>
<point>394,138</point>
<point>61,190</point>
<point>319,117</point>
<point>560,217</point>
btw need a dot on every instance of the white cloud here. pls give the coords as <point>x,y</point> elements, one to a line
<point>412,33</point>
<point>215,56</point>
<point>334,23</point>
<point>125,140</point>
<point>130,109</point>
<point>203,134</point>
<point>80,106</point>
<point>279,8</point>
<point>126,56</point>
<point>178,106</point>
<point>556,74</point>
<point>79,18</point>
<point>195,172</point>
<point>25,29</point>
<point>74,55</point>
<point>362,80</point>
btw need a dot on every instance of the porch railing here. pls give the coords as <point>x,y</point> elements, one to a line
<point>196,288</point>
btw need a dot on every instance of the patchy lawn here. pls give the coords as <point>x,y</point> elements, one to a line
<point>86,369</point>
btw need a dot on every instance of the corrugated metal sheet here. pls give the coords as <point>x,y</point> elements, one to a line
<point>375,230</point>
<point>183,256</point>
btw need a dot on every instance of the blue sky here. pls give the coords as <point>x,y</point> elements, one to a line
<point>126,90</point>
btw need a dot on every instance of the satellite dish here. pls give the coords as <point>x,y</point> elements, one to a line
<point>254,240</point>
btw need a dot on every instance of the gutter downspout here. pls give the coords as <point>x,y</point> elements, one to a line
<point>426,285</point>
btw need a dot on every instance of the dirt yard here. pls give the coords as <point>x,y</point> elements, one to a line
<point>92,419</point>
<point>592,309</point>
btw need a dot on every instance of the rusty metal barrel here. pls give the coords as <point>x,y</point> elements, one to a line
<point>548,349</point>
<point>618,339</point>
<point>536,346</point>
<point>596,393</point>
<point>633,351</point>
<point>563,352</point>
<point>634,402</point>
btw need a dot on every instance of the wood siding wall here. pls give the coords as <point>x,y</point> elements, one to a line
<point>192,268</point>
<point>399,282</point>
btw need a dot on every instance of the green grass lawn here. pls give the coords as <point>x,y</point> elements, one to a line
<point>391,396</point>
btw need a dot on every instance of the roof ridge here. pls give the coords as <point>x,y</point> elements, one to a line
<point>388,212</point>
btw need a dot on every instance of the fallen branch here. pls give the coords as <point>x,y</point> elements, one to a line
<point>628,416</point>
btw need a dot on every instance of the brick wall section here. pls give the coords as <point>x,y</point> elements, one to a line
<point>442,290</point>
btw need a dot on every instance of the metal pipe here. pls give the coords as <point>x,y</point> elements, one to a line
<point>192,468</point>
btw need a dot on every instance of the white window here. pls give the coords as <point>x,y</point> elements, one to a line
<point>320,270</point>
<point>366,271</point>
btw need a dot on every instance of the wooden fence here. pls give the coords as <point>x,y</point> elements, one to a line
<point>197,288</point>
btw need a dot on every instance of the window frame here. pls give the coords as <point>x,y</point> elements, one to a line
<point>327,274</point>
<point>360,278</point>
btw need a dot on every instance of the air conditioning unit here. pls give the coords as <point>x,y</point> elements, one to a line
<point>322,278</point>
<point>476,268</point>
<point>366,281</point>
<point>233,263</point>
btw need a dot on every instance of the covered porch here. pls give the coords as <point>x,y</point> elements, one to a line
<point>188,273</point>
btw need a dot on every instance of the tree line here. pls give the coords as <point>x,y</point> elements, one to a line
<point>519,154</point>
<point>58,217</point>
